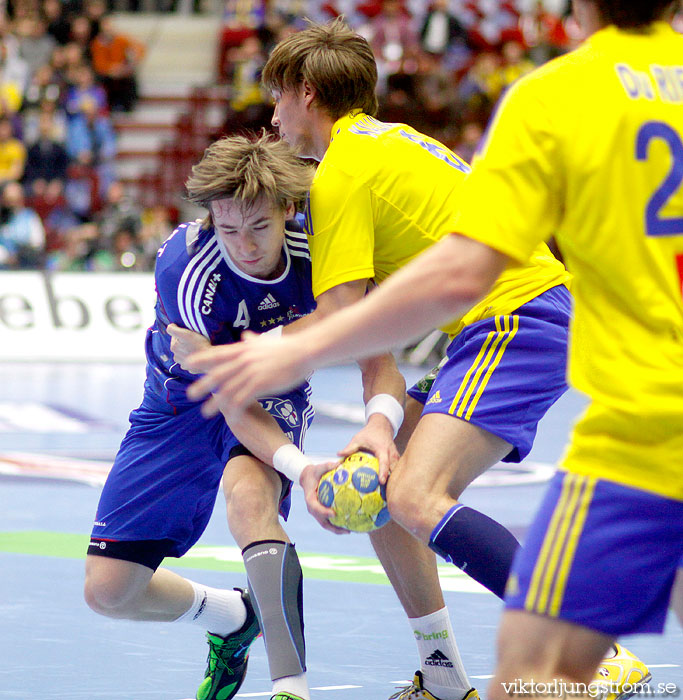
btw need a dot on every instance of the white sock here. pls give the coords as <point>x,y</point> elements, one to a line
<point>298,685</point>
<point>440,663</point>
<point>216,610</point>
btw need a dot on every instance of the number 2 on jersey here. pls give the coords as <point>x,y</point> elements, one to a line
<point>656,225</point>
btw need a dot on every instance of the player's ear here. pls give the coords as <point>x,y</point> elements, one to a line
<point>309,93</point>
<point>290,211</point>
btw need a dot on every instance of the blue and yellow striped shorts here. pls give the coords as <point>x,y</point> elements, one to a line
<point>601,555</point>
<point>504,372</point>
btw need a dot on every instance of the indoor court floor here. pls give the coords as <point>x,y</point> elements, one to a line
<point>60,426</point>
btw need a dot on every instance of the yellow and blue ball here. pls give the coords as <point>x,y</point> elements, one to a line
<point>353,491</point>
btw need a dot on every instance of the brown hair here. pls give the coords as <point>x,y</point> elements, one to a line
<point>246,168</point>
<point>334,60</point>
<point>633,13</point>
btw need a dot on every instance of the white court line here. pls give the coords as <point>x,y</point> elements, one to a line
<point>490,675</point>
<point>336,687</point>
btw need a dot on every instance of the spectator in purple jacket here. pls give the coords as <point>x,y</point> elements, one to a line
<point>85,93</point>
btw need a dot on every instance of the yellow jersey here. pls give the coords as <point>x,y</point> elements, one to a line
<point>385,192</point>
<point>590,148</point>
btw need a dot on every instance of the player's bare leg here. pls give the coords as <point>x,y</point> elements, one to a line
<point>442,458</point>
<point>444,455</point>
<point>411,569</point>
<point>532,646</point>
<point>124,589</point>
<point>409,564</point>
<point>252,493</point>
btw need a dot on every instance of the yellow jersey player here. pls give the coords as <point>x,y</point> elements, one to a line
<point>383,194</point>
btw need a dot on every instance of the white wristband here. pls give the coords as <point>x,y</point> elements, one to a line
<point>388,406</point>
<point>273,332</point>
<point>290,461</point>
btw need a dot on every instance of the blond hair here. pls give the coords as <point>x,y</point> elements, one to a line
<point>245,168</point>
<point>331,58</point>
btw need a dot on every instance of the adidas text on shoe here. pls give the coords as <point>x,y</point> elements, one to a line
<point>228,656</point>
<point>622,675</point>
<point>417,691</point>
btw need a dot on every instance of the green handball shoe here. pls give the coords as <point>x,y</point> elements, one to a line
<point>228,656</point>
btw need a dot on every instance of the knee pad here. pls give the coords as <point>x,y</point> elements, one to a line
<point>276,587</point>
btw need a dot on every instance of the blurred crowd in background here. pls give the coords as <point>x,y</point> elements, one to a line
<point>442,64</point>
<point>65,70</point>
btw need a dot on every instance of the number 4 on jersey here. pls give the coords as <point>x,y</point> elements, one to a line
<point>242,320</point>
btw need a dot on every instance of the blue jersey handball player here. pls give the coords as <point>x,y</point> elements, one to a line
<point>246,266</point>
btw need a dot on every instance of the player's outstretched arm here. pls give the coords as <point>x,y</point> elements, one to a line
<point>441,284</point>
<point>232,371</point>
<point>327,303</point>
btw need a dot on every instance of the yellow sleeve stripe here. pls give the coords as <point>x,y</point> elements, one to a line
<point>549,578</point>
<point>479,373</point>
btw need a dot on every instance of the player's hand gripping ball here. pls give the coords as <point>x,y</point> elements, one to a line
<point>353,491</point>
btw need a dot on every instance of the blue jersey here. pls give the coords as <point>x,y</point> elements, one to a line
<point>200,288</point>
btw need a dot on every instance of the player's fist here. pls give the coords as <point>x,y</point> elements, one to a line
<point>184,342</point>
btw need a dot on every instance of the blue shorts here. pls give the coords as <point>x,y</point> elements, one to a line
<point>601,555</point>
<point>166,475</point>
<point>503,373</point>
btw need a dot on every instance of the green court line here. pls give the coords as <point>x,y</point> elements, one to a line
<point>324,567</point>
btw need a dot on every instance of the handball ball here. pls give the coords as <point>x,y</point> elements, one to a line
<point>353,491</point>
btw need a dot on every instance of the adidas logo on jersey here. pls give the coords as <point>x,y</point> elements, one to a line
<point>436,398</point>
<point>438,658</point>
<point>270,302</point>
